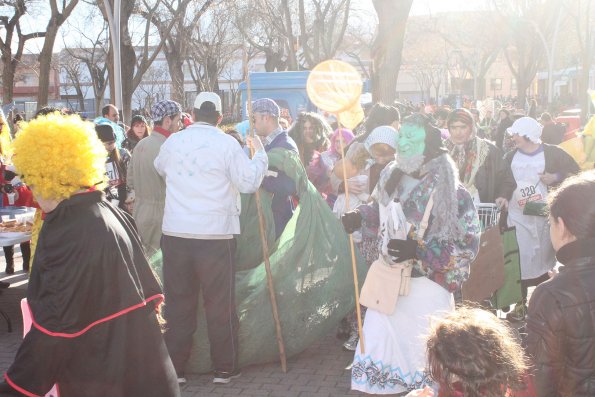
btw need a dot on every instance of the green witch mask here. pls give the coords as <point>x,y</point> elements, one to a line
<point>412,139</point>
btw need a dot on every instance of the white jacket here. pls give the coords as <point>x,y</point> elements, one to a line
<point>204,171</point>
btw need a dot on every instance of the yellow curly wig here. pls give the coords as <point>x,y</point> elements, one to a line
<point>59,155</point>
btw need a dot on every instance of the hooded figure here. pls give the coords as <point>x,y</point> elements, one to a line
<point>421,184</point>
<point>92,296</point>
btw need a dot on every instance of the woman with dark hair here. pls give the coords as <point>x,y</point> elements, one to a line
<point>310,132</point>
<point>561,314</point>
<point>139,129</point>
<point>380,114</point>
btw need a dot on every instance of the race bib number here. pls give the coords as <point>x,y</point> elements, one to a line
<point>112,174</point>
<point>526,192</point>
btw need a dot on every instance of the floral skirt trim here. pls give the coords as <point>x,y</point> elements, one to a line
<point>374,376</point>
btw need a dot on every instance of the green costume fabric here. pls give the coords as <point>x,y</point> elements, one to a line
<point>510,292</point>
<point>312,275</point>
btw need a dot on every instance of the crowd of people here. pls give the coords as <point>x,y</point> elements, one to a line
<point>406,186</point>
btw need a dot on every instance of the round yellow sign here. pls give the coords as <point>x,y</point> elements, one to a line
<point>334,86</point>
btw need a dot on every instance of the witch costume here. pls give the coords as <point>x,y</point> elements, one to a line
<point>394,359</point>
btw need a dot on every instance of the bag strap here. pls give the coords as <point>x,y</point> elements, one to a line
<point>423,226</point>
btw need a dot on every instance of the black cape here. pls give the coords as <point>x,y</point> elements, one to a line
<point>93,300</point>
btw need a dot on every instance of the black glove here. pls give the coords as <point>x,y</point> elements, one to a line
<point>352,221</point>
<point>402,250</point>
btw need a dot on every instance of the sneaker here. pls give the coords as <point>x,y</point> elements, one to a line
<point>224,378</point>
<point>351,343</point>
<point>181,381</point>
<point>4,284</point>
<point>518,313</point>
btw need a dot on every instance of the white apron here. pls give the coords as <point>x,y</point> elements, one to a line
<point>533,233</point>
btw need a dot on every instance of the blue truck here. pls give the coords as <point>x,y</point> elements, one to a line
<point>288,89</point>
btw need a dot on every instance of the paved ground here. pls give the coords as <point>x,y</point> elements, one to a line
<point>317,372</point>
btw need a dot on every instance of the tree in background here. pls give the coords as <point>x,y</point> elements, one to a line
<point>185,16</point>
<point>13,35</point>
<point>214,42</point>
<point>581,14</point>
<point>90,50</point>
<point>57,17</point>
<point>294,34</point>
<point>527,26</point>
<point>388,46</point>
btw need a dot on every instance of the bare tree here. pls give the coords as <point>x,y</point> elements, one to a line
<point>153,88</point>
<point>527,25</point>
<point>213,46</point>
<point>136,56</point>
<point>388,45</point>
<point>90,51</point>
<point>176,45</point>
<point>581,12</point>
<point>478,39</point>
<point>13,36</point>
<point>75,77</point>
<point>425,52</point>
<point>322,29</point>
<point>294,34</point>
<point>359,39</point>
<point>57,18</point>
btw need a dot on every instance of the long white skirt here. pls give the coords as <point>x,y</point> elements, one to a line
<point>395,348</point>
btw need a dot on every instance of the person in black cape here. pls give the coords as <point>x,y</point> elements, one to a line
<point>93,297</point>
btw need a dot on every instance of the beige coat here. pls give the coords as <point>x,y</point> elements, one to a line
<point>149,191</point>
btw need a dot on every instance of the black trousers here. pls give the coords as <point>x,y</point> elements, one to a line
<point>25,251</point>
<point>190,265</point>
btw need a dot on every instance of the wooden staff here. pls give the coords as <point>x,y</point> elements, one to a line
<point>351,245</point>
<point>261,223</point>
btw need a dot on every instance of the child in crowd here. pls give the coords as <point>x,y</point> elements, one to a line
<point>471,353</point>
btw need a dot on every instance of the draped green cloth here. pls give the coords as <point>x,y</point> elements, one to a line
<point>510,293</point>
<point>312,275</point>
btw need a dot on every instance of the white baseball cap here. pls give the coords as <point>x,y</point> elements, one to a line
<point>526,126</point>
<point>208,97</point>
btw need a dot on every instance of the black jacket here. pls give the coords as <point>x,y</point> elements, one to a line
<point>561,326</point>
<point>93,297</point>
<point>489,175</point>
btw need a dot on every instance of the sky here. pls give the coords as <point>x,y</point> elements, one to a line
<point>419,7</point>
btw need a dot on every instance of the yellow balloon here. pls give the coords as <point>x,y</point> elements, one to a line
<point>334,86</point>
<point>350,118</point>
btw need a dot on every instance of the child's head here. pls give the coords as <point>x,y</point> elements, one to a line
<point>471,351</point>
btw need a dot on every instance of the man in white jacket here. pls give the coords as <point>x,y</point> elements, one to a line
<point>204,171</point>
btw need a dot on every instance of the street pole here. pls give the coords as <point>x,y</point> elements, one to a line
<point>113,20</point>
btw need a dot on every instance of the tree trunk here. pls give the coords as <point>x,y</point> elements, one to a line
<point>80,96</point>
<point>45,63</point>
<point>175,64</point>
<point>387,48</point>
<point>45,56</point>
<point>128,61</point>
<point>8,81</point>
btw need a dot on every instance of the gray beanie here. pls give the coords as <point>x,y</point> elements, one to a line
<point>383,134</point>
